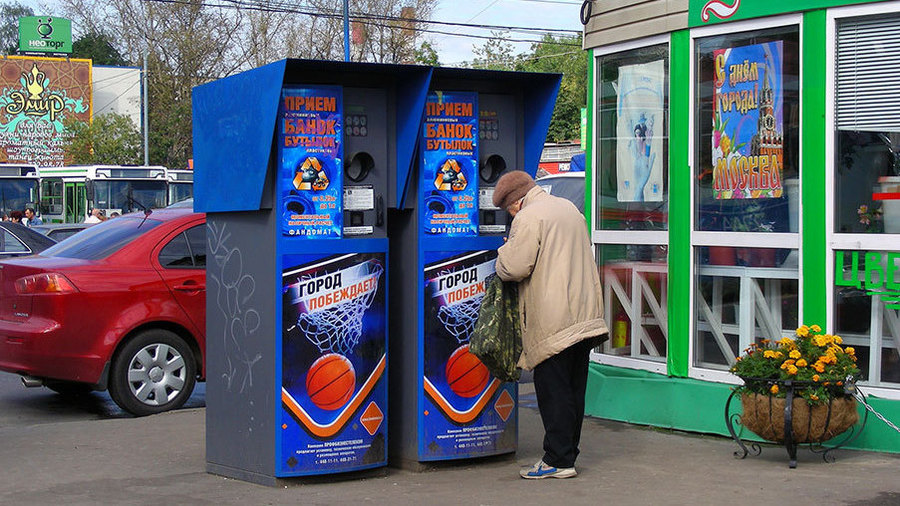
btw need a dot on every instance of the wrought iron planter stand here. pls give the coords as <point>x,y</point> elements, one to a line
<point>790,443</point>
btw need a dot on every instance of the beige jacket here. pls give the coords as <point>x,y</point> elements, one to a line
<point>549,254</point>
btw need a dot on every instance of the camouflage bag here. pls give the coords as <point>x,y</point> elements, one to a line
<point>497,337</point>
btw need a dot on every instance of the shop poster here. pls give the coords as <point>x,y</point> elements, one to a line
<point>334,385</point>
<point>465,412</point>
<point>310,157</point>
<point>450,170</point>
<point>748,127</point>
<point>640,102</point>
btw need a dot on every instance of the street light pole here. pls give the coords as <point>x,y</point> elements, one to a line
<point>146,121</point>
<point>346,30</point>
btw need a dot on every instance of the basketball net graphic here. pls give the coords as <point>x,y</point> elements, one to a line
<point>459,319</point>
<point>459,303</point>
<point>331,319</point>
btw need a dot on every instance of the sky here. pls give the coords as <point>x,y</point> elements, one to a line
<point>453,49</point>
<point>561,14</point>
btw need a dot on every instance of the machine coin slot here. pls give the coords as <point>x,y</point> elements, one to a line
<point>492,168</point>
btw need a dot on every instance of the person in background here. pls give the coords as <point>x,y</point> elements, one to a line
<point>16,217</point>
<point>548,253</point>
<point>4,217</point>
<point>97,215</point>
<point>32,219</point>
<point>114,215</point>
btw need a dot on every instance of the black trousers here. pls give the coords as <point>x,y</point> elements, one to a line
<point>559,384</point>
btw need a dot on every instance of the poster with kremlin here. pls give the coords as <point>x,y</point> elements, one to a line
<point>748,129</point>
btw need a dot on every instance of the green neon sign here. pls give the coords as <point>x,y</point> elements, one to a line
<point>877,275</point>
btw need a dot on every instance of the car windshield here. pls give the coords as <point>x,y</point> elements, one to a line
<point>180,191</point>
<point>16,193</point>
<point>102,240</point>
<point>115,195</point>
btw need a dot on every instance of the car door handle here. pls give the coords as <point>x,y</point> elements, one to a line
<point>190,287</point>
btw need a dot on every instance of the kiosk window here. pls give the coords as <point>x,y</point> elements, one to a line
<point>633,101</point>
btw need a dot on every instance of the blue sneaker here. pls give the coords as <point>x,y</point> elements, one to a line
<point>540,471</point>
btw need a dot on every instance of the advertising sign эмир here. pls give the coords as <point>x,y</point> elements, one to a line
<point>38,96</point>
<point>45,34</point>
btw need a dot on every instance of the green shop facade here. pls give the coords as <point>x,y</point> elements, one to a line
<point>744,180</point>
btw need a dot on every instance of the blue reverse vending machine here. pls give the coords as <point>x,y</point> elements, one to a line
<point>296,164</point>
<point>444,235</point>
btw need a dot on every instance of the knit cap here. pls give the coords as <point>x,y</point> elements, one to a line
<point>511,187</point>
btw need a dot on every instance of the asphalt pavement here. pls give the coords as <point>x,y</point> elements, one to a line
<point>160,459</point>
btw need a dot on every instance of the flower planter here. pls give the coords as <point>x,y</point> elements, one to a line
<point>764,415</point>
<point>791,421</point>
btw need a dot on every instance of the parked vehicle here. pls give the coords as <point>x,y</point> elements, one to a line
<point>18,240</point>
<point>69,193</point>
<point>18,187</point>
<point>119,306</point>
<point>180,184</point>
<point>568,185</point>
<point>60,231</point>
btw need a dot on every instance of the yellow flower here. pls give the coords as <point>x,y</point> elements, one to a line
<point>838,339</point>
<point>814,397</point>
<point>815,377</point>
<point>849,350</point>
<point>774,389</point>
<point>794,354</point>
<point>819,367</point>
<point>792,369</point>
<point>803,331</point>
<point>801,363</point>
<point>816,328</point>
<point>768,354</point>
<point>821,341</point>
<point>778,354</point>
<point>725,144</point>
<point>737,359</point>
<point>787,342</point>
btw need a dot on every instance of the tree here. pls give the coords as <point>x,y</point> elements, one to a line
<point>391,29</point>
<point>111,139</point>
<point>10,13</point>
<point>98,47</point>
<point>426,55</point>
<point>186,44</point>
<point>190,42</point>
<point>495,54</point>
<point>563,55</point>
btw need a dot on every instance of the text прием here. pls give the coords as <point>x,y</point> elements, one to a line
<point>449,136</point>
<point>312,104</point>
<point>448,109</point>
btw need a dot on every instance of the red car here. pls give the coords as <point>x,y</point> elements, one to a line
<point>121,305</point>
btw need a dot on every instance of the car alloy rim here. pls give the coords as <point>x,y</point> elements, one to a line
<point>156,374</point>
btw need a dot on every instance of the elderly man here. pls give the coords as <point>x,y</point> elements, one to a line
<point>560,304</point>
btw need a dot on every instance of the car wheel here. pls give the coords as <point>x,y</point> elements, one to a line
<point>154,372</point>
<point>69,388</point>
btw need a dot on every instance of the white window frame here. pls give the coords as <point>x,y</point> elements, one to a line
<point>643,237</point>
<point>836,241</point>
<point>741,239</point>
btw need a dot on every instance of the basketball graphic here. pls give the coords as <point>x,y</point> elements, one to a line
<point>466,375</point>
<point>331,381</point>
